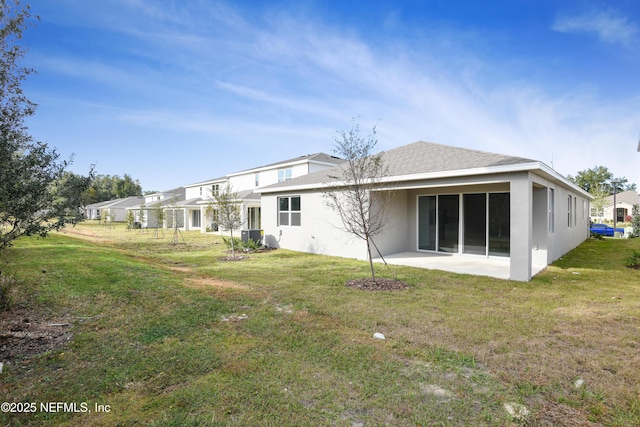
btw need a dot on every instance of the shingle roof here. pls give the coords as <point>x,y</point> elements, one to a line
<point>127,201</point>
<point>631,197</point>
<point>419,158</point>
<point>317,157</point>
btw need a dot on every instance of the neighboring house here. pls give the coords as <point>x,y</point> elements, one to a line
<point>447,200</point>
<point>111,210</point>
<point>92,211</point>
<point>624,207</point>
<point>198,209</point>
<point>165,201</point>
<point>116,210</point>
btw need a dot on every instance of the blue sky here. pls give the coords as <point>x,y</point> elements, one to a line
<point>176,92</point>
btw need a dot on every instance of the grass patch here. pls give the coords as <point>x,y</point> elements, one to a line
<point>173,335</point>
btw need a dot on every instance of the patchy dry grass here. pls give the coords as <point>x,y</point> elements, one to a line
<point>171,335</point>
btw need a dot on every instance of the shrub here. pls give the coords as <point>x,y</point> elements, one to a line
<point>635,221</point>
<point>248,246</point>
<point>236,242</point>
<point>633,261</point>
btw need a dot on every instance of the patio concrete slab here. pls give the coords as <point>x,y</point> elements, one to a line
<point>455,263</point>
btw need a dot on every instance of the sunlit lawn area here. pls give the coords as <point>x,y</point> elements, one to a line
<point>171,334</point>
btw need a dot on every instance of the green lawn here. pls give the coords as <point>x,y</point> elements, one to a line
<point>172,335</point>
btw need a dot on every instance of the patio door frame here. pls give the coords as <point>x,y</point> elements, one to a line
<point>488,218</point>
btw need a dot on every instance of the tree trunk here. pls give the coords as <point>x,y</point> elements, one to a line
<point>233,247</point>
<point>373,272</point>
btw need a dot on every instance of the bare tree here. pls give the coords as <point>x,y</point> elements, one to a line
<point>227,204</point>
<point>364,212</point>
<point>141,215</point>
<point>158,213</point>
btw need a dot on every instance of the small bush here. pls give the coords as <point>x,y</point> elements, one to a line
<point>633,261</point>
<point>239,245</point>
<point>251,245</point>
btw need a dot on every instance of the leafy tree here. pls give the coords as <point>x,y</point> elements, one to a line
<point>158,214</point>
<point>36,194</point>
<point>598,178</point>
<point>227,204</point>
<point>351,194</point>
<point>635,221</point>
<point>131,219</point>
<point>600,194</point>
<point>107,187</point>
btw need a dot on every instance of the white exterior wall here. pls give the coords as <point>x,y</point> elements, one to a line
<point>194,192</point>
<point>315,167</point>
<point>320,231</point>
<point>608,210</point>
<point>533,244</point>
<point>395,237</point>
<point>247,181</point>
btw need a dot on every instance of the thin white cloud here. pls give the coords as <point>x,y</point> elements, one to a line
<point>283,84</point>
<point>609,25</point>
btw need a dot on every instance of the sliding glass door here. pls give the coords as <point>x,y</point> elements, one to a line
<point>448,222</point>
<point>427,218</point>
<point>475,223</point>
<point>485,223</point>
<point>499,224</point>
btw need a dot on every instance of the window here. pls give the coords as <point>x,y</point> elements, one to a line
<point>215,189</point>
<point>284,174</point>
<point>253,218</point>
<point>569,210</point>
<point>257,179</point>
<point>552,208</point>
<point>289,211</point>
<point>201,191</point>
<point>195,218</point>
<point>596,212</point>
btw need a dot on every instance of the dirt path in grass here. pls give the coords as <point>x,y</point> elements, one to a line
<point>85,234</point>
<point>200,282</point>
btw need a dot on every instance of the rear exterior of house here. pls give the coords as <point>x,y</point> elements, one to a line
<point>200,212</point>
<point>446,200</point>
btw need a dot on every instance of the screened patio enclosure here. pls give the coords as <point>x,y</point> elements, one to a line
<point>469,223</point>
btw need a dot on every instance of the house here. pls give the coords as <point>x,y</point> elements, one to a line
<point>92,211</point>
<point>112,210</point>
<point>624,207</point>
<point>474,205</point>
<point>160,209</point>
<point>198,210</point>
<point>116,210</point>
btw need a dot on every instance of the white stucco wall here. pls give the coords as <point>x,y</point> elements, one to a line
<point>269,176</point>
<point>533,244</point>
<point>320,231</point>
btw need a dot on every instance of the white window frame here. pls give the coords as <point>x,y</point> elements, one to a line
<point>284,174</point>
<point>552,208</point>
<point>288,216</point>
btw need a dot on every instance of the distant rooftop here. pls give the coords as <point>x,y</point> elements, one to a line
<point>315,158</point>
